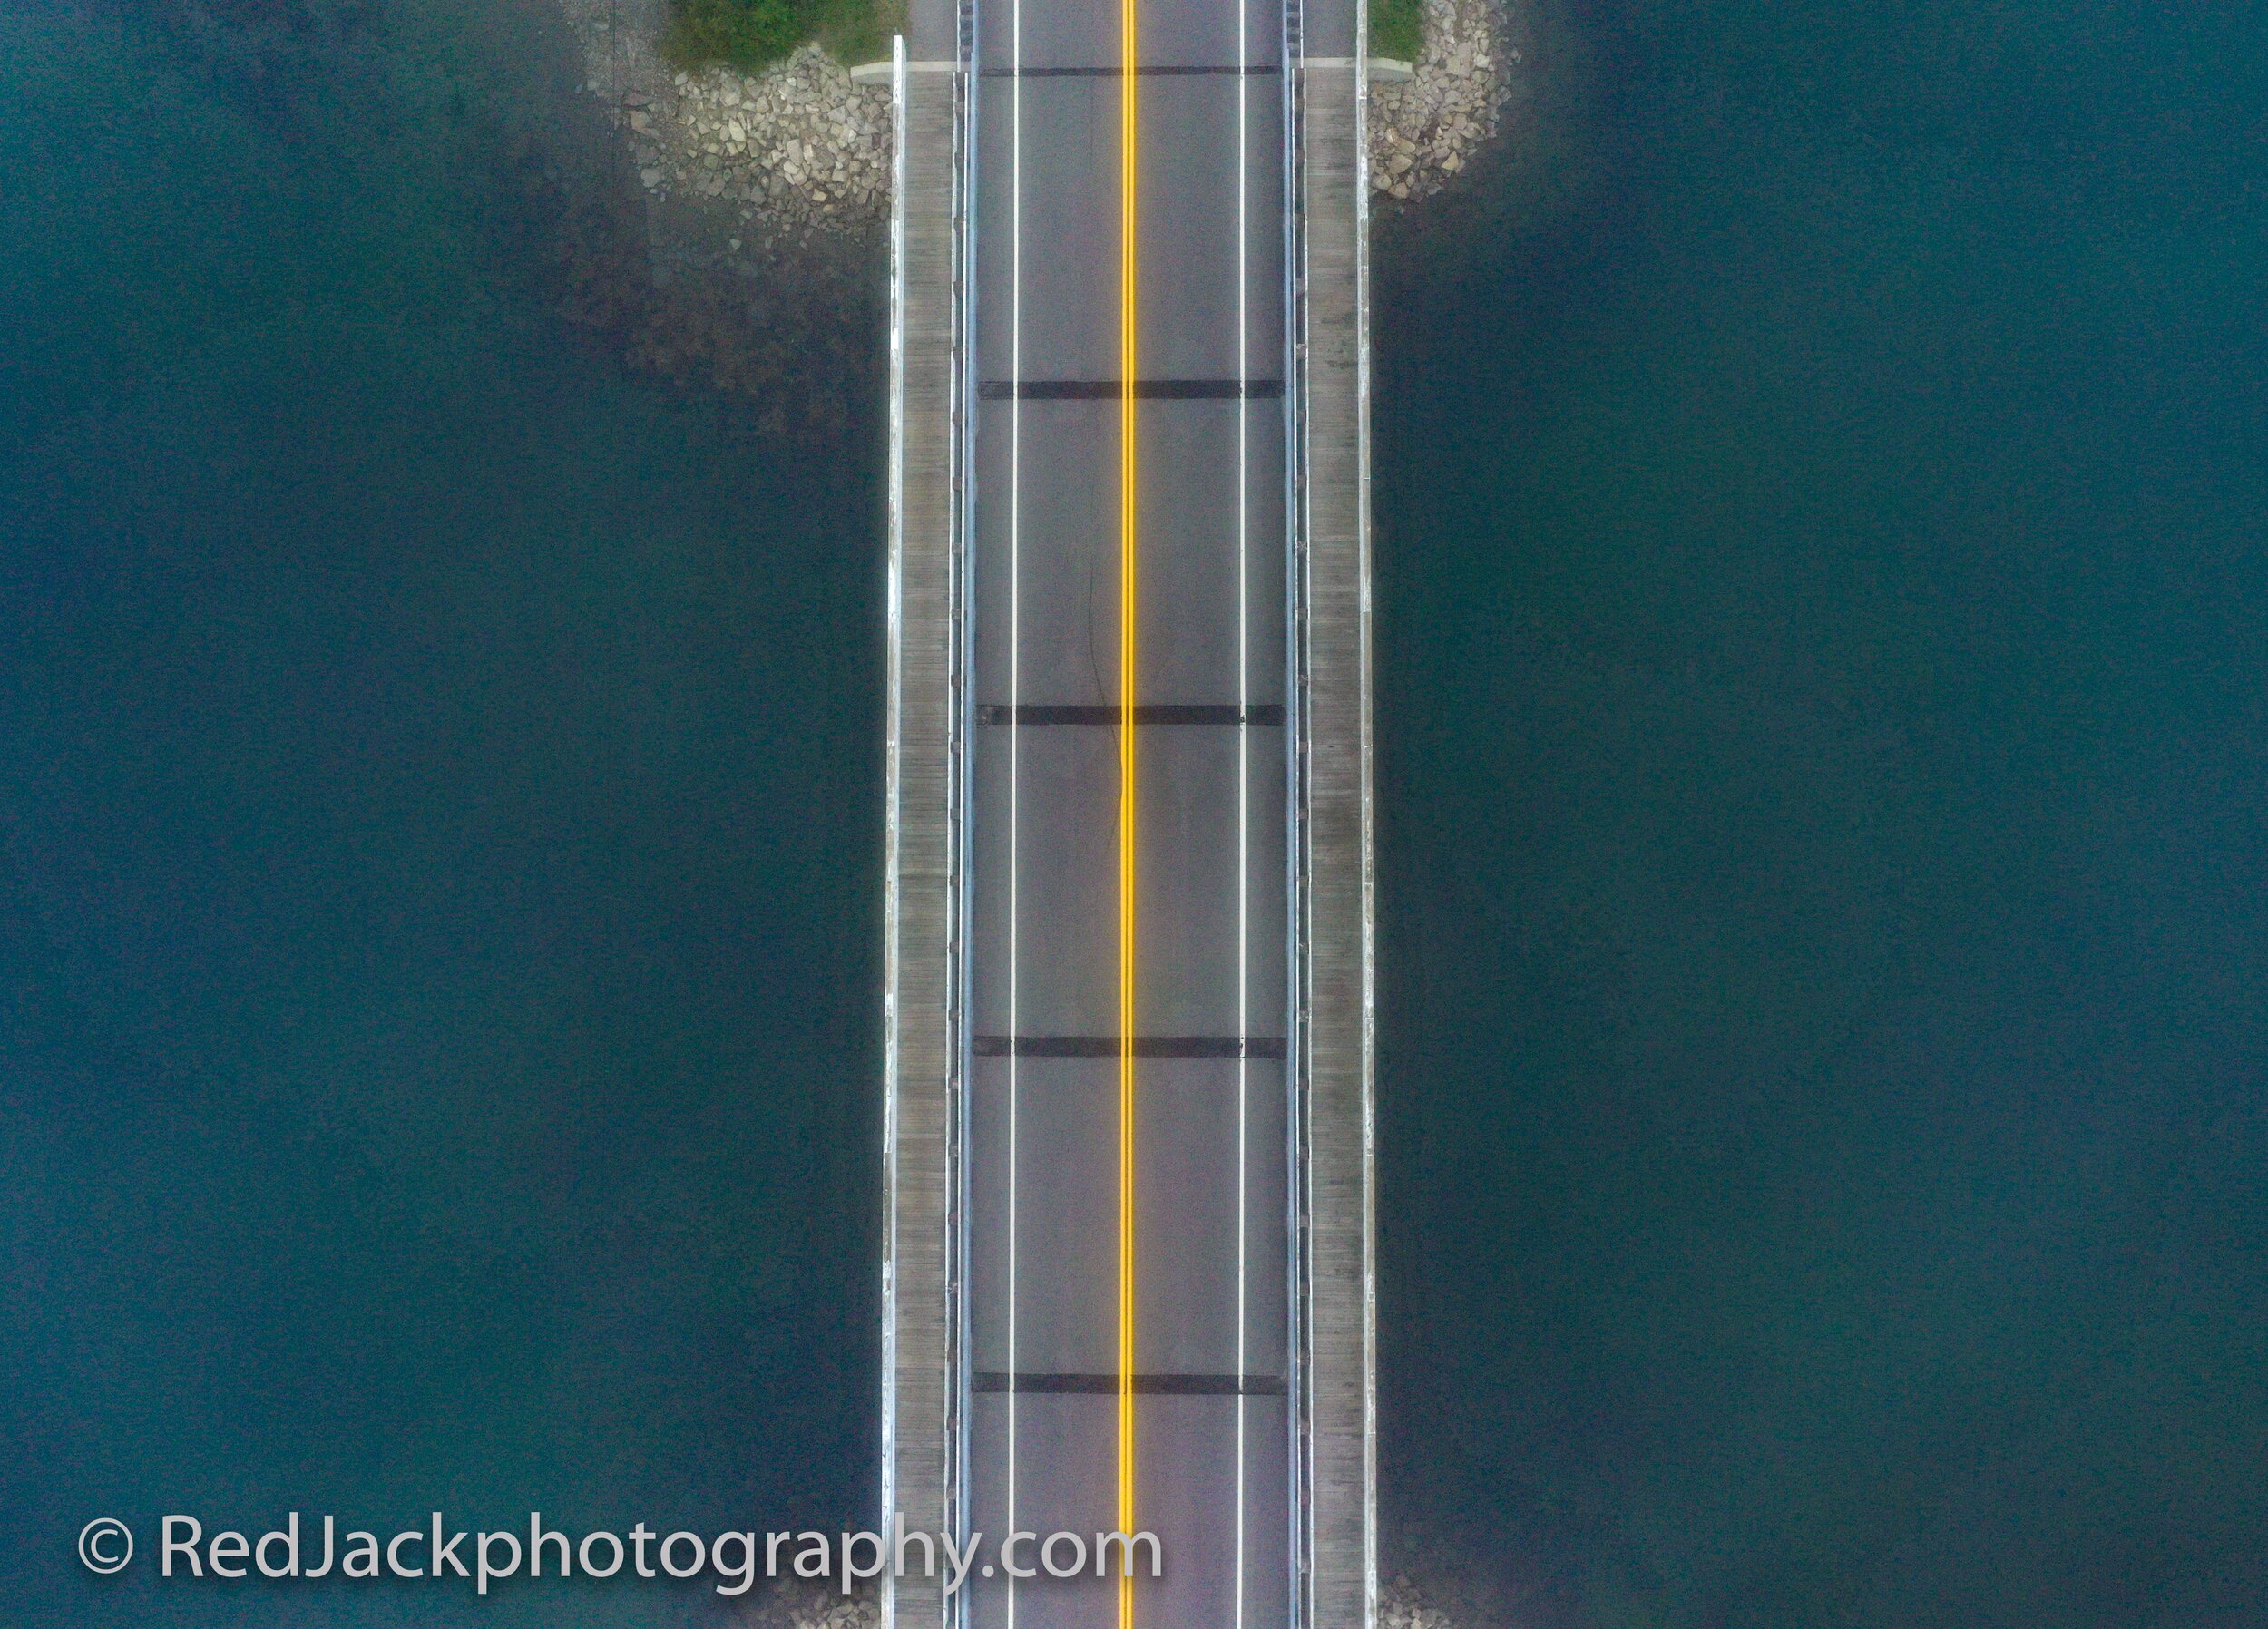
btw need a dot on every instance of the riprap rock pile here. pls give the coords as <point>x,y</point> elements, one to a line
<point>798,146</point>
<point>1426,128</point>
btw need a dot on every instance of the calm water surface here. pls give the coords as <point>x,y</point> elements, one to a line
<point>1825,835</point>
<point>1824,1083</point>
<point>437,915</point>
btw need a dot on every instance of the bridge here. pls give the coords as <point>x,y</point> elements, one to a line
<point>1127,1040</point>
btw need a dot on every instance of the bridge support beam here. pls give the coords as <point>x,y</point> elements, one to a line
<point>1337,1223</point>
<point>920,1288</point>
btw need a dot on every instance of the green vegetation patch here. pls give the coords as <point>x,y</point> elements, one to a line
<point>1397,29</point>
<point>750,34</point>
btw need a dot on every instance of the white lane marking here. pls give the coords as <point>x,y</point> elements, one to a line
<point>1015,697</point>
<point>1244,764</point>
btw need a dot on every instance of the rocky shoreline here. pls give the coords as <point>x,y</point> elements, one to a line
<point>797,150</point>
<point>802,149</point>
<point>732,246</point>
<point>1424,130</point>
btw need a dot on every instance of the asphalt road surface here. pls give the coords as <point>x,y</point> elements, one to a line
<point>1127,1152</point>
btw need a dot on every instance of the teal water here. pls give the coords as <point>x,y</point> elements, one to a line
<point>436,914</point>
<point>1823,832</point>
<point>1824,1076</point>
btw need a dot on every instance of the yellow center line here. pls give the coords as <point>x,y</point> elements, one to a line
<point>1126,375</point>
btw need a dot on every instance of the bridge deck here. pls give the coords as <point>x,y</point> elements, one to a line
<point>1119,1304</point>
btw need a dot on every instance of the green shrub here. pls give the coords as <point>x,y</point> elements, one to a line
<point>858,31</point>
<point>1397,29</point>
<point>748,34</point>
<point>743,34</point>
